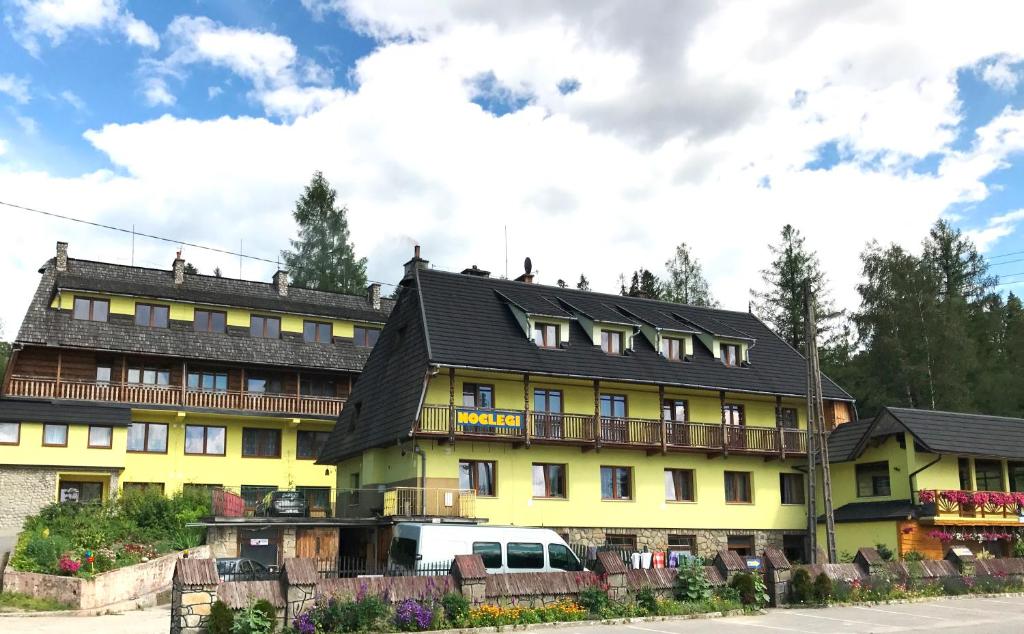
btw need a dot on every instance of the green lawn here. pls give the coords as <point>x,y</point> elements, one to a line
<point>14,602</point>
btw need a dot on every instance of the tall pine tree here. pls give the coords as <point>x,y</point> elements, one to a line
<point>685,283</point>
<point>323,257</point>
<point>781,303</point>
<point>584,283</point>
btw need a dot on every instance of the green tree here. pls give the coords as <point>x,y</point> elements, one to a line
<point>781,303</point>
<point>191,269</point>
<point>644,284</point>
<point>584,283</point>
<point>217,272</point>
<point>561,283</point>
<point>324,256</point>
<point>686,283</point>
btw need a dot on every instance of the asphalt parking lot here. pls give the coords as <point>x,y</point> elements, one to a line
<point>975,615</point>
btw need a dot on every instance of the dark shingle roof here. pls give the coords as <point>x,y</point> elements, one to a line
<point>64,413</point>
<point>456,320</point>
<point>386,398</point>
<point>45,326</point>
<point>936,432</point>
<point>470,326</point>
<point>867,511</point>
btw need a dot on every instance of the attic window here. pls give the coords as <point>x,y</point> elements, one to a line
<point>672,349</point>
<point>611,341</point>
<point>730,354</point>
<point>546,335</point>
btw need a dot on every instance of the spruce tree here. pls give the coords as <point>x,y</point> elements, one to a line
<point>323,257</point>
<point>686,283</point>
<point>781,303</point>
<point>584,283</point>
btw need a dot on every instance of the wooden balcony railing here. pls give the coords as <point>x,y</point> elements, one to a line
<point>139,394</point>
<point>583,429</point>
<point>954,503</point>
<point>416,502</point>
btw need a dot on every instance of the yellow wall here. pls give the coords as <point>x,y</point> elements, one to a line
<point>514,502</point>
<point>642,401</point>
<point>851,536</point>
<point>174,468</point>
<point>381,466</point>
<point>186,312</point>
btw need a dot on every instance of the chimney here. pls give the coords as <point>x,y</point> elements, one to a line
<point>475,272</point>
<point>61,262</point>
<point>373,295</point>
<point>179,270</point>
<point>281,282</point>
<point>412,265</point>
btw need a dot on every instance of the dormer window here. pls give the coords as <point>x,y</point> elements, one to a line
<point>611,341</point>
<point>546,335</point>
<point>730,353</point>
<point>672,349</point>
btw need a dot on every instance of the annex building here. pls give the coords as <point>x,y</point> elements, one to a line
<point>126,377</point>
<point>613,420</point>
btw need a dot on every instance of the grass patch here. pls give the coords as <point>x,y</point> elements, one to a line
<point>16,602</point>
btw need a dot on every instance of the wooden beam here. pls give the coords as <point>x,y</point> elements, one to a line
<point>597,415</point>
<point>451,404</point>
<point>526,407</point>
<point>664,424</point>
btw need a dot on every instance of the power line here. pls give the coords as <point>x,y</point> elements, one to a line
<point>133,233</point>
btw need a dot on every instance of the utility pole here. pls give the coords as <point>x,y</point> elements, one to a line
<point>817,437</point>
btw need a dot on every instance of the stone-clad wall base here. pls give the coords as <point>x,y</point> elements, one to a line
<point>709,541</point>
<point>35,486</point>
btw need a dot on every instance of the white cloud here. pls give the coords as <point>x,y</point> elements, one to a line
<point>28,125</point>
<point>156,92</point>
<point>283,82</point>
<point>3,147</point>
<point>214,91</point>
<point>55,19</point>
<point>997,227</point>
<point>691,122</point>
<point>15,87</point>
<point>1000,74</point>
<point>73,100</point>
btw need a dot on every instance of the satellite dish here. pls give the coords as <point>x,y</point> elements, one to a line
<point>528,265</point>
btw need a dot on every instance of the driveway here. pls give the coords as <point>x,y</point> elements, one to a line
<point>151,621</point>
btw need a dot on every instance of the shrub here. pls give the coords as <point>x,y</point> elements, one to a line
<point>594,600</point>
<point>254,619</point>
<point>647,601</point>
<point>221,618</point>
<point>822,588</point>
<point>1018,547</point>
<point>743,584</point>
<point>38,551</point>
<point>691,584</point>
<point>884,551</point>
<point>913,555</point>
<point>800,590</point>
<point>456,608</point>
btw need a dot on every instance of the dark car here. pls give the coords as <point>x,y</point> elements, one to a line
<point>244,569</point>
<point>283,504</point>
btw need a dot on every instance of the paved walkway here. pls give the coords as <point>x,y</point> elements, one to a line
<point>974,616</point>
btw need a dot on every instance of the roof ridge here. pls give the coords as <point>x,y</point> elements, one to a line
<point>941,411</point>
<point>576,291</point>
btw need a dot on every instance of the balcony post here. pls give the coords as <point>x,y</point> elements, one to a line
<point>721,408</point>
<point>184,380</point>
<point>60,358</point>
<point>451,405</point>
<point>597,415</point>
<point>778,426</point>
<point>526,407</point>
<point>664,424</point>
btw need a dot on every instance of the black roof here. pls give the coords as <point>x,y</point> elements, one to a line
<point>940,433</point>
<point>458,320</point>
<point>64,412</point>
<point>867,511</point>
<point>844,440</point>
<point>45,326</point>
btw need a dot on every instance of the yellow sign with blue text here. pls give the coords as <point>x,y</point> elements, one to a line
<point>488,419</point>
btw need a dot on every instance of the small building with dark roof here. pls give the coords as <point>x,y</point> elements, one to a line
<point>924,480</point>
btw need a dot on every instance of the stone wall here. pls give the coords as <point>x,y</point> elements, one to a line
<point>222,540</point>
<point>35,486</point>
<point>132,583</point>
<point>709,541</point>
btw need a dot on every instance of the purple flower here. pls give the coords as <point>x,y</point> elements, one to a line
<point>304,624</point>
<point>413,615</point>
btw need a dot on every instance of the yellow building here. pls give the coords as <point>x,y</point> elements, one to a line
<point>614,420</point>
<point>924,481</point>
<point>135,377</point>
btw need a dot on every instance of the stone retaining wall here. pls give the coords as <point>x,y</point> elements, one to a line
<point>35,487</point>
<point>709,541</point>
<point>107,588</point>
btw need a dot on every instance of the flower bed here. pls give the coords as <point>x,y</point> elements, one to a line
<point>81,540</point>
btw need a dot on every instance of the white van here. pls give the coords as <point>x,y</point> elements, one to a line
<point>503,548</point>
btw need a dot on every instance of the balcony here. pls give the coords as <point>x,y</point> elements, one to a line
<point>590,431</point>
<point>176,396</point>
<point>991,506</point>
<point>414,502</point>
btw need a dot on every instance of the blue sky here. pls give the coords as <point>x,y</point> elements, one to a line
<point>596,138</point>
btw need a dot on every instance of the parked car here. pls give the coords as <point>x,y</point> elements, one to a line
<point>243,569</point>
<point>283,504</point>
<point>503,548</point>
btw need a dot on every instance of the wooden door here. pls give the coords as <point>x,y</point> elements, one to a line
<point>317,543</point>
